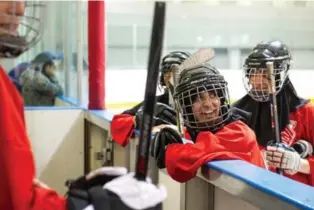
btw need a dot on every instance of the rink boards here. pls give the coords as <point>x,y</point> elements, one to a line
<point>68,141</point>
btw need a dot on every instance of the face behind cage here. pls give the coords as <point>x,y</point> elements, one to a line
<point>206,106</point>
<point>21,24</point>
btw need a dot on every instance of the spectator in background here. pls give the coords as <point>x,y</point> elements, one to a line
<point>40,84</point>
<point>16,72</point>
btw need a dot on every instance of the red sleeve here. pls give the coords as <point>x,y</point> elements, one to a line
<point>308,123</point>
<point>16,158</point>
<point>122,128</point>
<point>234,141</point>
<point>47,199</point>
<point>311,175</point>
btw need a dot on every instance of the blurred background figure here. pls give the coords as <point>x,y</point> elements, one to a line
<point>16,72</point>
<point>46,56</point>
<point>39,83</point>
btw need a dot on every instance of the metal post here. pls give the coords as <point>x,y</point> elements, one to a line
<point>79,47</point>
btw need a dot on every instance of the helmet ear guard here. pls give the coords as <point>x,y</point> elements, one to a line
<point>161,79</point>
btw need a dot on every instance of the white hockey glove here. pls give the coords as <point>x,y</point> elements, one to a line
<point>133,193</point>
<point>304,148</point>
<point>283,157</point>
<point>97,177</point>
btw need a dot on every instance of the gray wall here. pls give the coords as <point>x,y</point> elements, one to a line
<point>226,27</point>
<point>229,28</point>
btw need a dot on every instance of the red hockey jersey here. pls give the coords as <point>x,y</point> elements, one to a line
<point>16,158</point>
<point>234,141</point>
<point>301,127</point>
<point>122,125</point>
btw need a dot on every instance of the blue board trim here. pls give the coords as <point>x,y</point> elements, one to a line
<point>102,114</point>
<point>292,192</point>
<point>68,100</point>
<point>50,108</point>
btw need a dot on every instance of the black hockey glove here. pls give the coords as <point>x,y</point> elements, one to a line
<point>117,194</point>
<point>97,177</point>
<point>304,148</point>
<point>162,139</point>
<point>78,196</point>
<point>163,114</point>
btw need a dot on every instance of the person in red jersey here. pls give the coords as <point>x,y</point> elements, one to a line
<point>123,125</point>
<point>19,188</point>
<point>217,132</point>
<point>294,155</point>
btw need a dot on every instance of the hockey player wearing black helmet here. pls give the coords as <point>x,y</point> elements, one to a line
<point>216,130</point>
<point>21,27</point>
<point>123,125</point>
<point>295,114</point>
<point>175,57</point>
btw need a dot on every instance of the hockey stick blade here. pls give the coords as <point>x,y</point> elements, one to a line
<point>156,44</point>
<point>201,56</point>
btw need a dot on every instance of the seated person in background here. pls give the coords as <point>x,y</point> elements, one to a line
<point>123,125</point>
<point>217,131</point>
<point>16,72</point>
<point>40,85</point>
<point>295,114</point>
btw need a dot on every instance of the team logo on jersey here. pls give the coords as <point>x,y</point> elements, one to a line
<point>288,134</point>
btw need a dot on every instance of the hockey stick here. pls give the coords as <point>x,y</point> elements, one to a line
<point>273,104</point>
<point>173,82</point>
<point>156,44</point>
<point>199,57</point>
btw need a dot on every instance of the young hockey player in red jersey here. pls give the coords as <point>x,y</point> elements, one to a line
<point>216,130</point>
<point>296,115</point>
<point>123,125</point>
<point>19,189</point>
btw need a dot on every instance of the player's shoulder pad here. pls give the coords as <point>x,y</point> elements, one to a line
<point>239,114</point>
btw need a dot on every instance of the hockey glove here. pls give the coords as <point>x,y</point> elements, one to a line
<point>78,197</point>
<point>282,156</point>
<point>97,177</point>
<point>163,114</point>
<point>304,148</point>
<point>126,193</point>
<point>117,194</point>
<point>163,138</point>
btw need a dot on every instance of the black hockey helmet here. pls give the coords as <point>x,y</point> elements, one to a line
<point>194,81</point>
<point>255,65</point>
<point>175,57</point>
